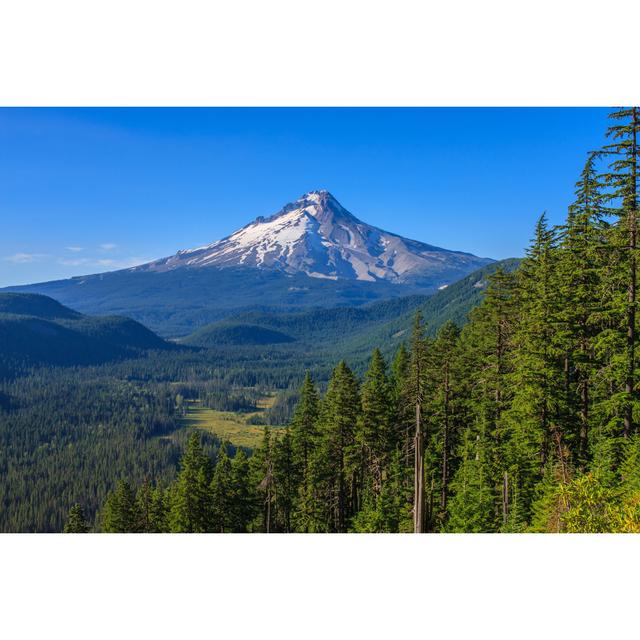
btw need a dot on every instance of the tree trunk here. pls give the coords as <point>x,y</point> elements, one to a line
<point>505,499</point>
<point>445,449</point>
<point>418,479</point>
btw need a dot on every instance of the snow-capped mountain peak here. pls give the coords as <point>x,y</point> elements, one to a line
<point>316,235</point>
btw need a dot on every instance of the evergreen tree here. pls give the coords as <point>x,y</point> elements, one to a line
<point>441,409</point>
<point>285,480</point>
<point>76,522</point>
<point>120,513</point>
<point>375,436</point>
<point>622,180</point>
<point>471,508</point>
<point>415,393</point>
<point>159,511</point>
<point>190,498</point>
<point>262,480</point>
<point>537,405</point>
<point>241,503</point>
<point>222,494</point>
<point>303,433</point>
<point>334,465</point>
<point>144,508</point>
<point>580,274</point>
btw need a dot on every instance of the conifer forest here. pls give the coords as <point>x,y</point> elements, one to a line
<point>524,416</point>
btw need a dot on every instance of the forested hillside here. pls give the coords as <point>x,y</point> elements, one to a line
<point>525,419</point>
<point>37,330</point>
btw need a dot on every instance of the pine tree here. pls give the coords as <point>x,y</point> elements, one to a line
<point>471,508</point>
<point>334,465</point>
<point>222,495</point>
<point>241,492</point>
<point>622,180</point>
<point>285,479</point>
<point>375,432</point>
<point>486,346</point>
<point>76,522</point>
<point>120,514</point>
<point>415,394</point>
<point>262,480</point>
<point>303,432</point>
<point>580,271</point>
<point>190,498</point>
<point>441,407</point>
<point>144,508</point>
<point>537,380</point>
<point>159,511</point>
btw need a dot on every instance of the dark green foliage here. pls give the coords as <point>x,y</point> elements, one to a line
<point>120,513</point>
<point>227,333</point>
<point>190,498</point>
<point>222,495</point>
<point>76,522</point>
<point>174,303</point>
<point>35,330</point>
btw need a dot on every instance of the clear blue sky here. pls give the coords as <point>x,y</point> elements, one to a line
<point>89,190</point>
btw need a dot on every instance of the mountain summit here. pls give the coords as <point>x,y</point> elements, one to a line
<point>317,236</point>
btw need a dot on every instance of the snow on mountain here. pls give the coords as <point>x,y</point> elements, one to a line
<point>317,236</point>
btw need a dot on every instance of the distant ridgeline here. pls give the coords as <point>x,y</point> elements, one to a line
<point>37,330</point>
<point>525,419</point>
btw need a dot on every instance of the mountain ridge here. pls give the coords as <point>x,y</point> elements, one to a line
<point>36,330</point>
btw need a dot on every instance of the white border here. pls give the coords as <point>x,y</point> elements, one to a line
<point>302,52</point>
<point>349,586</point>
<point>347,52</point>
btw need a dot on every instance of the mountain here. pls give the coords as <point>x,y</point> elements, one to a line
<point>37,330</point>
<point>313,253</point>
<point>317,236</point>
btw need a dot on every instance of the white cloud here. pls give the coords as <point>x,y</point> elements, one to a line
<point>24,258</point>
<point>73,262</point>
<point>109,263</point>
<point>75,249</point>
<point>108,246</point>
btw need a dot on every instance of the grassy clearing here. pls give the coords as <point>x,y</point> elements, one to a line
<point>228,425</point>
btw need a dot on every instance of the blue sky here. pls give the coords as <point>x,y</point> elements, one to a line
<point>89,190</point>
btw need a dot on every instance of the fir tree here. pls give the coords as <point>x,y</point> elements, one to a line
<point>335,468</point>
<point>303,433</point>
<point>622,180</point>
<point>375,433</point>
<point>414,394</point>
<point>263,482</point>
<point>580,273</point>
<point>76,522</point>
<point>285,481</point>
<point>241,492</point>
<point>190,498</point>
<point>471,508</point>
<point>441,407</point>
<point>222,494</point>
<point>144,508</point>
<point>120,514</point>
